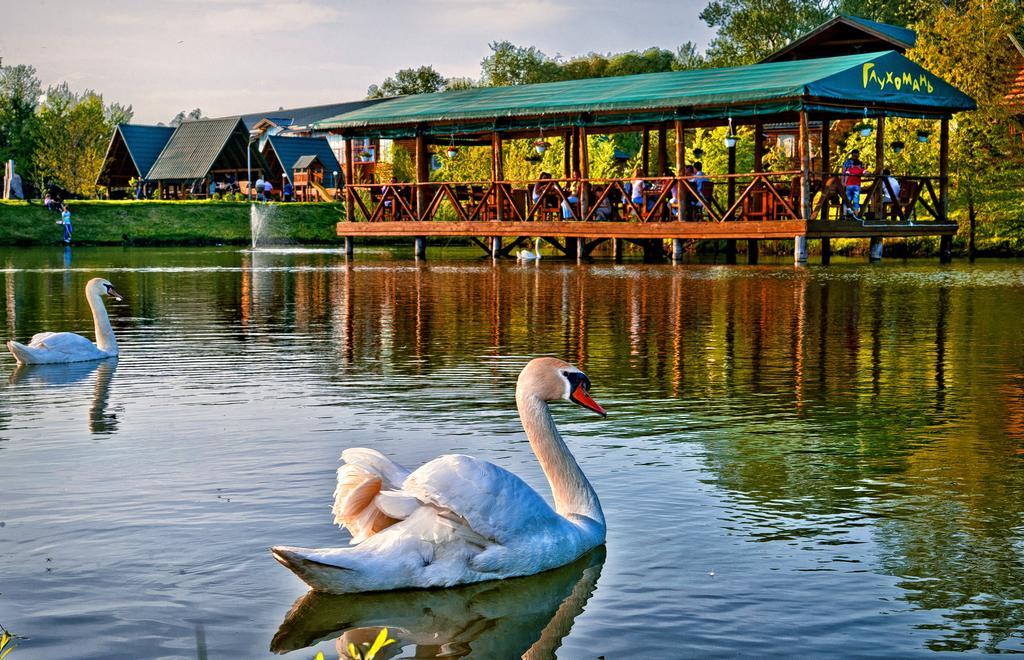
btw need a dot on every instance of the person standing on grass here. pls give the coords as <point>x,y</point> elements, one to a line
<point>65,219</point>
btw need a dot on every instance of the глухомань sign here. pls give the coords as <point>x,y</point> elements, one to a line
<point>896,79</point>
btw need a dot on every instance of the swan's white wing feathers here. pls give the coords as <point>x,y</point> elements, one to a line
<point>362,477</point>
<point>494,503</point>
<point>62,342</point>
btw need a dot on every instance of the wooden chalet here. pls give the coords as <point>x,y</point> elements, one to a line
<point>131,153</point>
<point>203,150</point>
<point>727,205</point>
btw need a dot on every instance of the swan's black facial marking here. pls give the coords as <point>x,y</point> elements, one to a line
<point>112,292</point>
<point>577,378</point>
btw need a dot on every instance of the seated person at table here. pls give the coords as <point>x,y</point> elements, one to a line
<point>604,209</point>
<point>699,182</point>
<point>887,176</point>
<point>673,202</point>
<point>538,187</point>
<point>637,188</point>
<point>574,196</point>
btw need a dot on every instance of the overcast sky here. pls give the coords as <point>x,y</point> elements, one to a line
<point>233,57</point>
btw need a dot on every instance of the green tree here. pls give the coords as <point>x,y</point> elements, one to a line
<point>183,116</point>
<point>423,80</point>
<point>983,158</point>
<point>73,134</point>
<point>509,64</point>
<point>747,31</point>
<point>19,97</point>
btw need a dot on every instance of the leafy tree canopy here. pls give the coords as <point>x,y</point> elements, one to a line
<point>423,80</point>
<point>183,116</point>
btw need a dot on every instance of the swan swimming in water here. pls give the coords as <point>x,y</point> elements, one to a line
<point>54,347</point>
<point>458,519</point>
<point>526,255</point>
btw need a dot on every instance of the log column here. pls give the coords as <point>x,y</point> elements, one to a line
<point>584,188</point>
<point>645,150</point>
<point>946,241</point>
<point>876,247</point>
<point>730,244</point>
<point>800,251</point>
<point>680,169</point>
<point>826,173</point>
<point>350,205</point>
<point>567,156</point>
<point>752,243</point>
<point>662,148</point>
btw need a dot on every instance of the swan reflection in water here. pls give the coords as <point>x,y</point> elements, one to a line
<point>63,375</point>
<point>519,617</point>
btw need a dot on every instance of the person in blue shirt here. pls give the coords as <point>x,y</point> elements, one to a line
<point>213,187</point>
<point>65,219</point>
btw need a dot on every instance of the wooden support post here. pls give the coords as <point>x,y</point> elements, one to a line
<point>730,244</point>
<point>944,170</point>
<point>677,250</point>
<point>662,148</point>
<point>498,163</point>
<point>350,204</point>
<point>349,247</point>
<point>680,170</point>
<point>826,167</point>
<point>422,177</point>
<point>826,251</point>
<point>567,157</point>
<point>752,250</point>
<point>617,246</point>
<point>759,147</point>
<point>945,249</point>
<point>575,151</point>
<point>805,169</point>
<point>571,246</point>
<point>420,247</point>
<point>495,247</point>
<point>584,187</point>
<point>581,250</point>
<point>645,150</point>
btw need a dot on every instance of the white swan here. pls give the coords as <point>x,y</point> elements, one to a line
<point>457,519</point>
<point>526,255</point>
<point>53,347</point>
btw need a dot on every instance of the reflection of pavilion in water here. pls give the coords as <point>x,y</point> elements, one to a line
<point>520,617</point>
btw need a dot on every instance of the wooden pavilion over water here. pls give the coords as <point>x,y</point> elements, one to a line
<point>753,205</point>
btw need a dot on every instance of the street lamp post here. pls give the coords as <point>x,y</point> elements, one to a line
<point>253,136</point>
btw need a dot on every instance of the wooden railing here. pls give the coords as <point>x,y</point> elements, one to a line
<point>757,197</point>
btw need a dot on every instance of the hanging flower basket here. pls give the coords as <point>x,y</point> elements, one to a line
<point>864,129</point>
<point>533,158</point>
<point>922,136</point>
<point>365,156</point>
<point>540,146</point>
<point>452,152</point>
<point>897,146</point>
<point>730,141</point>
<point>698,153</point>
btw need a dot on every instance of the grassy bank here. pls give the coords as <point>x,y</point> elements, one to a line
<point>165,223</point>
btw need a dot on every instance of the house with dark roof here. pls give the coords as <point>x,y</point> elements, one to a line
<point>281,154</point>
<point>1015,92</point>
<point>846,35</point>
<point>131,153</point>
<point>298,121</point>
<point>206,149</point>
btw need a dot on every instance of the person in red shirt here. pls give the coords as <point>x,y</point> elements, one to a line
<point>853,173</point>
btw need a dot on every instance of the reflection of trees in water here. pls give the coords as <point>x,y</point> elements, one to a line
<point>519,617</point>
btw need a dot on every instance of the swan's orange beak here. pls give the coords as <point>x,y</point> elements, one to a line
<point>113,293</point>
<point>582,397</point>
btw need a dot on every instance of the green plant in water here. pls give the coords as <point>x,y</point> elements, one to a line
<point>367,651</point>
<point>7,644</point>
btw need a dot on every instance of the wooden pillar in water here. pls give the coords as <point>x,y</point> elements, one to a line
<point>680,168</point>
<point>422,176</point>
<point>350,205</point>
<point>349,248</point>
<point>662,148</point>
<point>752,243</point>
<point>875,251</point>
<point>584,203</point>
<point>617,246</point>
<point>800,251</point>
<point>498,168</point>
<point>945,241</point>
<point>826,251</point>
<point>730,244</point>
<point>677,250</point>
<point>645,150</point>
<point>826,164</point>
<point>420,247</point>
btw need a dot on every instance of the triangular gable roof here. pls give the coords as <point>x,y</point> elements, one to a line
<point>196,145</point>
<point>846,35</point>
<point>839,86</point>
<point>143,144</point>
<point>296,117</point>
<point>305,161</point>
<point>290,149</point>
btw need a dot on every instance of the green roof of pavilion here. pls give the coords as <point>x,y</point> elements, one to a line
<point>884,83</point>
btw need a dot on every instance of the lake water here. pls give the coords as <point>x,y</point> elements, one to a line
<point>796,461</point>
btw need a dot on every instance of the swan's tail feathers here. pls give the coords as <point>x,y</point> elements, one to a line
<point>320,573</point>
<point>21,352</point>
<point>366,499</point>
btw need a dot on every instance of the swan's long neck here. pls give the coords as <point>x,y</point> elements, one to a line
<point>105,340</point>
<point>572,492</point>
